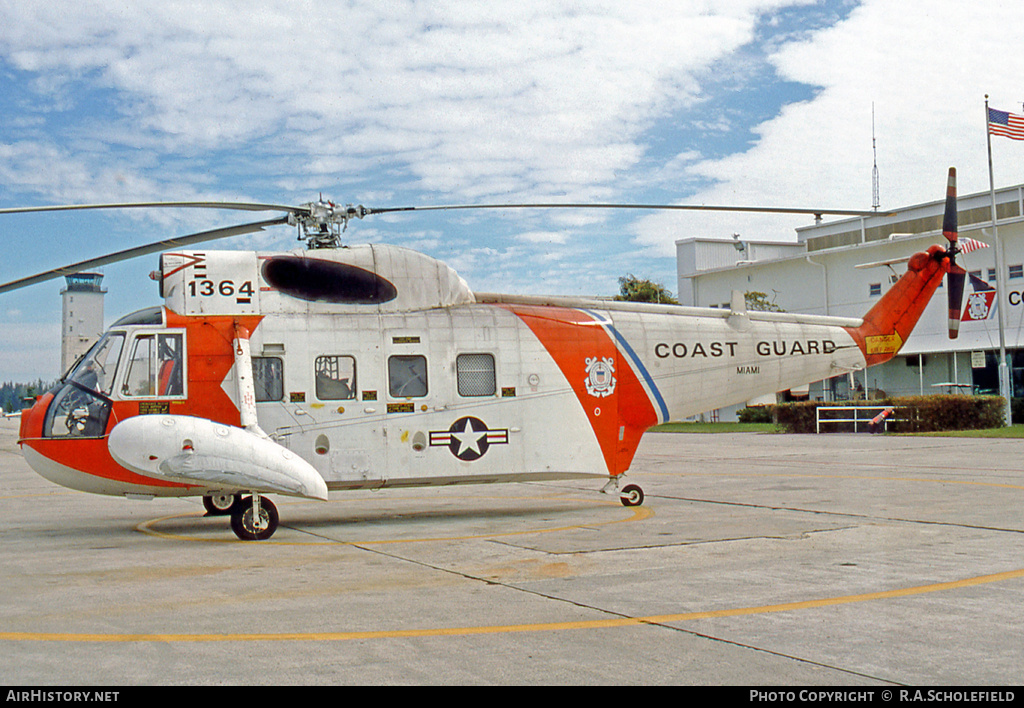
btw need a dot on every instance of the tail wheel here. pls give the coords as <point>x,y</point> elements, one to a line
<point>255,527</point>
<point>221,504</point>
<point>631,495</point>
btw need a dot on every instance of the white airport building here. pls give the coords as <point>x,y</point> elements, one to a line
<point>819,275</point>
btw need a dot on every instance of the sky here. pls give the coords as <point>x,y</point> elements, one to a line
<point>398,103</point>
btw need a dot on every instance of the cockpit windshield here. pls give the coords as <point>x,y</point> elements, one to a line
<point>97,368</point>
<point>81,405</point>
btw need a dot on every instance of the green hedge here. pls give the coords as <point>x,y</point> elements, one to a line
<point>922,413</point>
<point>755,414</point>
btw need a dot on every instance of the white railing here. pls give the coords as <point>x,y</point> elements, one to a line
<point>861,415</point>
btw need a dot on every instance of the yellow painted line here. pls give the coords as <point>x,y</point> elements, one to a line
<point>639,513</point>
<point>512,628</point>
<point>839,476</point>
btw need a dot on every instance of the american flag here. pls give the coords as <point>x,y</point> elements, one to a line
<point>1009,125</point>
<point>969,244</point>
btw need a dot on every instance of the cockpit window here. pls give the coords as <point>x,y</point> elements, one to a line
<point>76,412</point>
<point>80,406</point>
<point>156,366</point>
<point>96,370</point>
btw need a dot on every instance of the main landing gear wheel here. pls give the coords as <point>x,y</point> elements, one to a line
<point>255,527</point>
<point>631,495</point>
<point>221,504</point>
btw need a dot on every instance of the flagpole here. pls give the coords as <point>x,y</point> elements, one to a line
<point>1004,372</point>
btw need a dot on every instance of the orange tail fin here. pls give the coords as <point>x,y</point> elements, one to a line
<point>888,324</point>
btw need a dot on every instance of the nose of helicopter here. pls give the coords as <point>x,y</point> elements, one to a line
<point>32,418</point>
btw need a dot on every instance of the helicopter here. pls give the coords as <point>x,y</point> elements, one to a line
<point>331,368</point>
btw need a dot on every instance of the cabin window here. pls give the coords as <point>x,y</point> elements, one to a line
<point>475,374</point>
<point>335,378</point>
<point>407,376</point>
<point>1016,271</point>
<point>156,366</point>
<point>874,289</point>
<point>268,378</point>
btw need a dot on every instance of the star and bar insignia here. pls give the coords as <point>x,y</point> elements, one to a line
<point>468,438</point>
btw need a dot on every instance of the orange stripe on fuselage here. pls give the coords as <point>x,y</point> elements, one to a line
<point>619,419</point>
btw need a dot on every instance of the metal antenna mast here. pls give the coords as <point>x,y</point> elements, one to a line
<point>875,200</point>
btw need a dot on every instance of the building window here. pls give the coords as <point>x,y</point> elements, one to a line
<point>335,378</point>
<point>268,378</point>
<point>407,376</point>
<point>875,289</point>
<point>1016,271</point>
<point>475,373</point>
<point>991,275</point>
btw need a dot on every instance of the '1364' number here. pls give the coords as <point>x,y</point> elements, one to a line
<point>226,288</point>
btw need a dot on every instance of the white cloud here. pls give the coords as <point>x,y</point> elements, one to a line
<point>470,99</point>
<point>559,237</point>
<point>926,69</point>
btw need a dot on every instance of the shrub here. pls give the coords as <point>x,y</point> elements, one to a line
<point>755,414</point>
<point>920,413</point>
<point>795,417</point>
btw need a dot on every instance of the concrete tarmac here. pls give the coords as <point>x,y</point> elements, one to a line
<point>762,560</point>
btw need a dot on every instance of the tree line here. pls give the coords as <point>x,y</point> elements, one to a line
<point>635,289</point>
<point>13,395</point>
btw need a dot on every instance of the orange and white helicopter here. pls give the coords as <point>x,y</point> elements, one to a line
<point>363,367</point>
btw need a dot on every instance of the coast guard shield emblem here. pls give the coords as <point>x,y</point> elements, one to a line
<point>600,379</point>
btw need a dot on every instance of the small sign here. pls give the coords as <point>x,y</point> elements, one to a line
<point>977,360</point>
<point>884,343</point>
<point>154,407</point>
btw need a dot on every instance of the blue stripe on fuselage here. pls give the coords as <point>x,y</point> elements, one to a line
<point>637,364</point>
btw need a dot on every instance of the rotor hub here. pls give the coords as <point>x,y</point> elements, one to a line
<point>321,223</point>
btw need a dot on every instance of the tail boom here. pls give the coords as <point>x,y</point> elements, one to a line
<point>889,323</point>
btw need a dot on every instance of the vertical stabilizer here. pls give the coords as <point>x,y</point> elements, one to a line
<point>889,323</point>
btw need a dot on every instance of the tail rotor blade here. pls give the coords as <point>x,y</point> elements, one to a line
<point>949,220</point>
<point>957,275</point>
<point>955,279</point>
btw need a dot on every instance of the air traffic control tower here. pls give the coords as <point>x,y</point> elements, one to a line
<point>82,320</point>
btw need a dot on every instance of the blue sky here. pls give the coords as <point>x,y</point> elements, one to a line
<point>416,103</point>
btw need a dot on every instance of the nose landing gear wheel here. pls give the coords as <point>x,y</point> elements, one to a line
<point>252,527</point>
<point>221,504</point>
<point>631,495</point>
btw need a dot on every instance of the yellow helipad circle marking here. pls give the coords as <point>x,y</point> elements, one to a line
<point>511,628</point>
<point>638,514</point>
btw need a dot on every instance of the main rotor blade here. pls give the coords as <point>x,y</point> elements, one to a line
<point>137,251</point>
<point>237,206</point>
<point>651,207</point>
